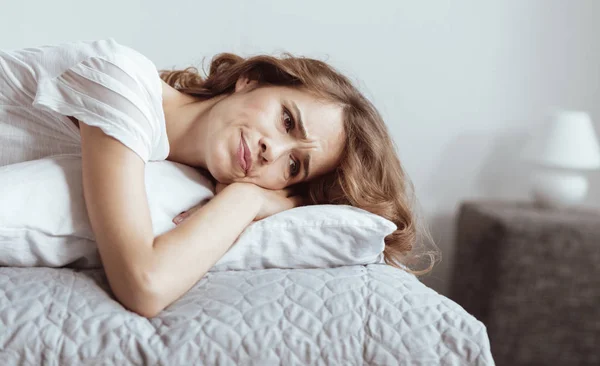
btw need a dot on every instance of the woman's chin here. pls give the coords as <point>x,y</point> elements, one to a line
<point>237,180</point>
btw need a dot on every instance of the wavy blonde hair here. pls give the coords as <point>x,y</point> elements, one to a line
<point>369,176</point>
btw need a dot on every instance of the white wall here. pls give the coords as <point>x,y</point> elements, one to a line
<point>458,82</point>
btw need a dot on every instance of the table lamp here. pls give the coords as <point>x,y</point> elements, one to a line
<point>561,153</point>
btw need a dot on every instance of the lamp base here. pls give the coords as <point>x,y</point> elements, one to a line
<point>555,189</point>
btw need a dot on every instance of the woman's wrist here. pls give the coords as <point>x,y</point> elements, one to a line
<point>247,191</point>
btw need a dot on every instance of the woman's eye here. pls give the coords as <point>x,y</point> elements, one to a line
<point>293,168</point>
<point>288,121</point>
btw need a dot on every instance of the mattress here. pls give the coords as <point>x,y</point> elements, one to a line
<point>350,315</point>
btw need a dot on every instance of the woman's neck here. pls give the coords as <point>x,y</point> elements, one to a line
<point>187,122</point>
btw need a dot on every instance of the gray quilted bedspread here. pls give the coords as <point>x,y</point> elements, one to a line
<point>354,315</point>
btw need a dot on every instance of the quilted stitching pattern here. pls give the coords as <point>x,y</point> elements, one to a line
<point>352,315</point>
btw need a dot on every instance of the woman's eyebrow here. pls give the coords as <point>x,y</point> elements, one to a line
<point>299,121</point>
<point>303,134</point>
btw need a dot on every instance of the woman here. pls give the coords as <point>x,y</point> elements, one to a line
<point>273,133</point>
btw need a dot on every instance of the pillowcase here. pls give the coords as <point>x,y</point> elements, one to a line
<point>44,222</point>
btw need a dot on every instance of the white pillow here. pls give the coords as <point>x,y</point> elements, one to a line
<point>44,222</point>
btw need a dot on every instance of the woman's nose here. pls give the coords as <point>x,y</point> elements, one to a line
<point>266,152</point>
<point>271,151</point>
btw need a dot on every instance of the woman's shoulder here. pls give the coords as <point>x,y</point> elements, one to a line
<point>113,87</point>
<point>109,49</point>
<point>118,48</point>
<point>50,60</point>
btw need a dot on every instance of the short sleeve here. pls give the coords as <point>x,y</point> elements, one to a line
<point>120,92</point>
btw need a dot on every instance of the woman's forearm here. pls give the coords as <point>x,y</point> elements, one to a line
<point>184,254</point>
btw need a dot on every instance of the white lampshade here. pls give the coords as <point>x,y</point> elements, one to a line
<point>568,140</point>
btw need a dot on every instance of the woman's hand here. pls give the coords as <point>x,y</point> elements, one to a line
<point>275,201</point>
<point>185,214</point>
<point>272,201</point>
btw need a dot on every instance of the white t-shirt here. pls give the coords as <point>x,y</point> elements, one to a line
<point>101,83</point>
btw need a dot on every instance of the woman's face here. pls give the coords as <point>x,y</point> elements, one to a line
<point>268,120</point>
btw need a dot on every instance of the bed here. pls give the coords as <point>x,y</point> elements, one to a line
<point>349,315</point>
<point>306,286</point>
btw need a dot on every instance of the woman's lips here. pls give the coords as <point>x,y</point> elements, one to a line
<point>240,155</point>
<point>247,156</point>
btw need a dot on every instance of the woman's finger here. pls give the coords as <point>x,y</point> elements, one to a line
<point>179,218</point>
<point>184,215</point>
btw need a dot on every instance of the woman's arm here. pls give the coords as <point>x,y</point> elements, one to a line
<point>209,231</point>
<point>146,273</point>
<point>117,207</point>
<point>184,254</point>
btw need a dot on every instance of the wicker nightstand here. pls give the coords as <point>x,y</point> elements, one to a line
<point>532,276</point>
